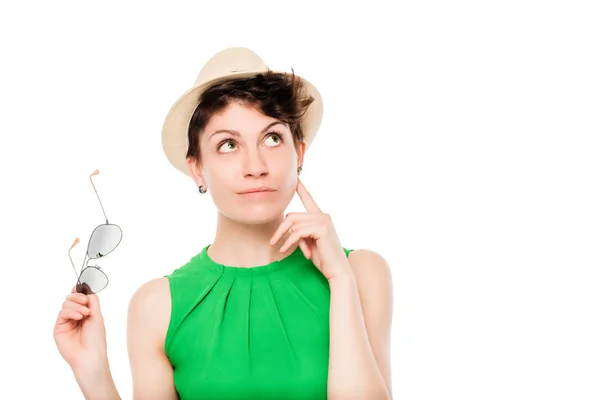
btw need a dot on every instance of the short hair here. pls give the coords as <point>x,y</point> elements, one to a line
<point>276,94</point>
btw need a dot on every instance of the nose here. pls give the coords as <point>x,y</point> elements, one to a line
<point>254,165</point>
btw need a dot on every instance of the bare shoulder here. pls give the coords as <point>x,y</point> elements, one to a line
<point>150,309</point>
<point>155,290</point>
<point>374,282</point>
<point>370,269</point>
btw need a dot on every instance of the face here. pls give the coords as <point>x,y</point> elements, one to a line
<point>248,163</point>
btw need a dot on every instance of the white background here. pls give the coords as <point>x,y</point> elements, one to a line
<point>460,140</point>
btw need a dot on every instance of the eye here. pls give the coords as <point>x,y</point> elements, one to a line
<point>227,146</point>
<point>273,139</point>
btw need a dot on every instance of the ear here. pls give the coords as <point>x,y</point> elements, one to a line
<point>195,171</point>
<point>300,150</point>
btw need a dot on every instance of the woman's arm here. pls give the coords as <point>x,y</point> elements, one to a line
<point>97,384</point>
<point>148,319</point>
<point>360,329</point>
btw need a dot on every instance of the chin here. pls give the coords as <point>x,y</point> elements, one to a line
<point>255,214</point>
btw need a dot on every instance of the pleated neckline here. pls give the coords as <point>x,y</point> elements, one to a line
<point>293,259</point>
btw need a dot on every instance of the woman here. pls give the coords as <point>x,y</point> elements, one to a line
<point>275,307</point>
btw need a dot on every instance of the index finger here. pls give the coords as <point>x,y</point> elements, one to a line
<point>306,198</point>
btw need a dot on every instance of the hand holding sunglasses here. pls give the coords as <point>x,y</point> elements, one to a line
<point>103,240</point>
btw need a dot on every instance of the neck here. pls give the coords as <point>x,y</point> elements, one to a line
<point>245,245</point>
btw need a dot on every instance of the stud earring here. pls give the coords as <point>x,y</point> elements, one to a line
<point>299,169</point>
<point>201,189</point>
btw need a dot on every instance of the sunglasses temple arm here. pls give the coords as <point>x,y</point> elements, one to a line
<point>74,269</point>
<point>96,172</point>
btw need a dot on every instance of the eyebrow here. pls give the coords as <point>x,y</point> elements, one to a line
<point>237,134</point>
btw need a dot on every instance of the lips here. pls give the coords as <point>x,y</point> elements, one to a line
<point>260,189</point>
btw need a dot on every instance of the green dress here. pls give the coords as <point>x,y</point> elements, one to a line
<point>249,333</point>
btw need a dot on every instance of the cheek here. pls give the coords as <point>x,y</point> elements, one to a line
<point>287,180</point>
<point>217,178</point>
<point>291,179</point>
<point>283,166</point>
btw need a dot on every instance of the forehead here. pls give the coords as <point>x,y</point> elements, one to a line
<point>240,118</point>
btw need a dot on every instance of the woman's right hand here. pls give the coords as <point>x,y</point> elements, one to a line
<point>80,334</point>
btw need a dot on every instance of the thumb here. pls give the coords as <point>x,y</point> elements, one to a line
<point>94,305</point>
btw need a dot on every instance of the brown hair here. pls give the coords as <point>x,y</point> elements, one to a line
<point>275,94</point>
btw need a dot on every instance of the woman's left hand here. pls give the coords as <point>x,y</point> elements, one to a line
<point>316,236</point>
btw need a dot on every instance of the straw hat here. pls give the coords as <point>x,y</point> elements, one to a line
<point>231,63</point>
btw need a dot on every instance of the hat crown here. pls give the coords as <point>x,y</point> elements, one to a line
<point>229,61</point>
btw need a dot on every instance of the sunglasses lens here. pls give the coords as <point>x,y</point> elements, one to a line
<point>92,280</point>
<point>104,239</point>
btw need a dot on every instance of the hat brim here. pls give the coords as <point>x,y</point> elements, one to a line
<point>176,124</point>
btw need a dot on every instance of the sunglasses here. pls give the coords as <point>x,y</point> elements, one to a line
<point>103,240</point>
